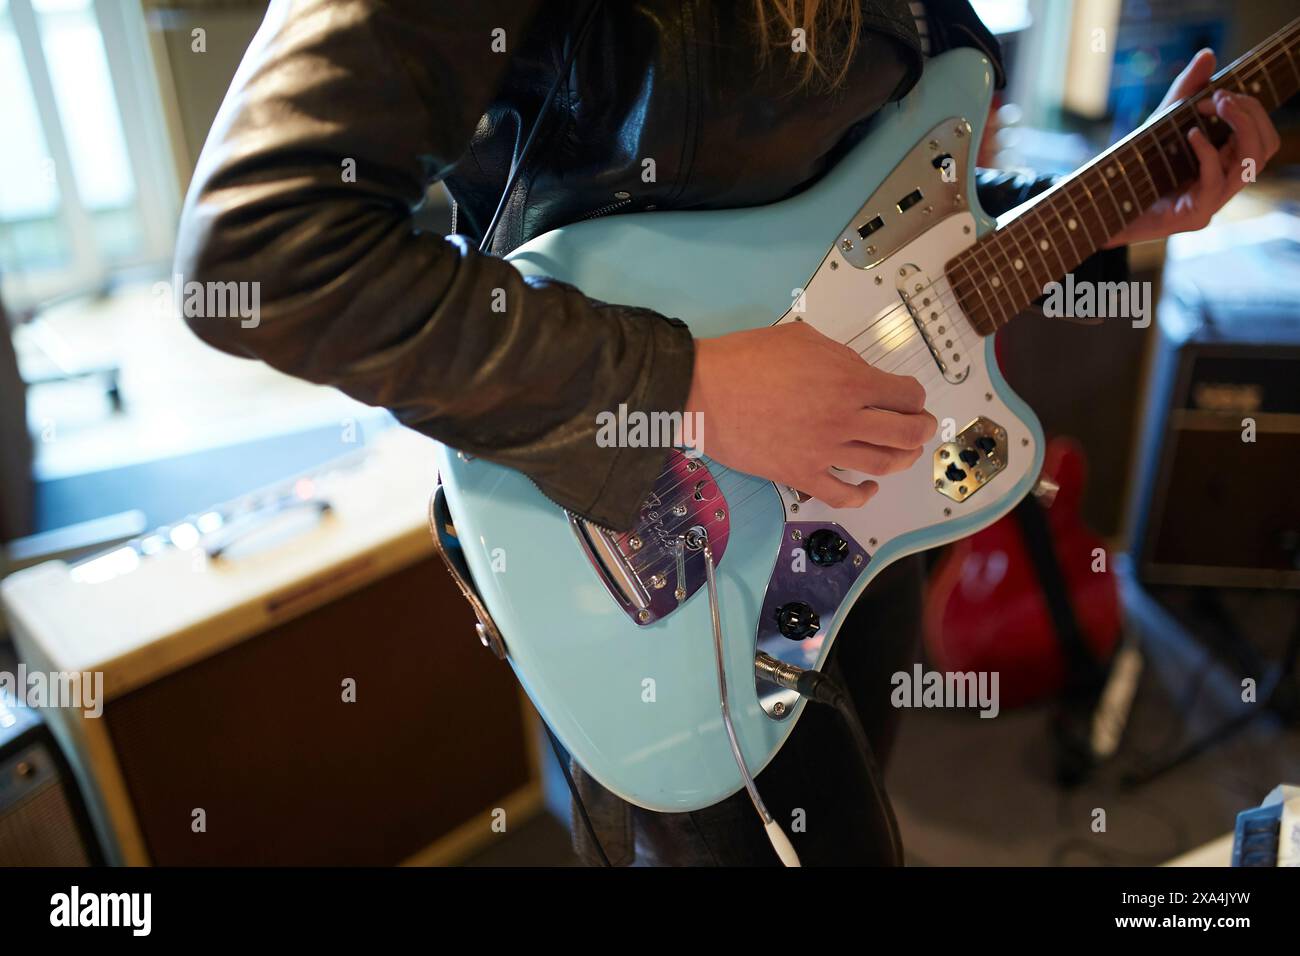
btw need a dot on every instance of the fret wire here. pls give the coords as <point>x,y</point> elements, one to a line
<point>1047,234</point>
<point>1200,120</point>
<point>974,254</point>
<point>1079,257</point>
<point>1160,148</point>
<point>1295,68</point>
<point>1184,148</point>
<point>999,239</point>
<point>1259,68</point>
<point>1285,42</point>
<point>1016,235</point>
<point>1039,241</point>
<point>982,308</point>
<point>989,244</point>
<point>1082,220</point>
<point>1105,233</point>
<point>1023,226</point>
<point>962,263</point>
<point>1138,205</point>
<point>1106,175</point>
<point>1155,189</point>
<point>1150,181</point>
<point>981,256</point>
<point>993,316</point>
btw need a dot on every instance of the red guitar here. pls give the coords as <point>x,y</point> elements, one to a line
<point>998,602</point>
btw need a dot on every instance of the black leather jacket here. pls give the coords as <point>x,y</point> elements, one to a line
<point>343,113</point>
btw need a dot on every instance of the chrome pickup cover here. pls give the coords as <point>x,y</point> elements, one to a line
<point>655,567</point>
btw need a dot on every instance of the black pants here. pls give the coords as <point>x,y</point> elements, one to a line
<point>818,777</point>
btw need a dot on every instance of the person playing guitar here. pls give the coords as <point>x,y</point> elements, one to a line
<point>344,112</point>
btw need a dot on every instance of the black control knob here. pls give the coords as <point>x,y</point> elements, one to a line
<point>825,547</point>
<point>797,621</point>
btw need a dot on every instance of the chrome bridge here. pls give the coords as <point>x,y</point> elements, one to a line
<point>655,567</point>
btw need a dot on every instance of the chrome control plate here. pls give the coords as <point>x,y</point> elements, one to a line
<point>797,577</point>
<point>925,187</point>
<point>967,463</point>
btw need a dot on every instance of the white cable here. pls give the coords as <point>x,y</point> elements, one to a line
<point>775,835</point>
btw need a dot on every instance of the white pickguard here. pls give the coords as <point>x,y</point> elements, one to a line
<point>839,302</point>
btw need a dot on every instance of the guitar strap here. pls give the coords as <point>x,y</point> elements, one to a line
<point>1083,671</point>
<point>1084,674</point>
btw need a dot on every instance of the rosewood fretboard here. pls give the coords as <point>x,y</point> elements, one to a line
<point>1006,270</point>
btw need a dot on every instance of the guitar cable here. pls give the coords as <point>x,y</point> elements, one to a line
<point>562,759</point>
<point>817,687</point>
<point>776,836</point>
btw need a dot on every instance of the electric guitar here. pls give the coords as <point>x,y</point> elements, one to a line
<point>612,633</point>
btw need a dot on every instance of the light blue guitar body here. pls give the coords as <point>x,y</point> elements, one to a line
<point>636,703</point>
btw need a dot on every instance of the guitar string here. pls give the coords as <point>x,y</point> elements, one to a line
<point>663,561</point>
<point>907,329</point>
<point>909,337</point>
<point>921,357</point>
<point>904,335</point>
<point>1175,119</point>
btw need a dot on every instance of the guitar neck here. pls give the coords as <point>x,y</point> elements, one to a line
<point>1007,269</point>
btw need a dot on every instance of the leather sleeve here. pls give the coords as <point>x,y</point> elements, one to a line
<point>1001,192</point>
<point>459,346</point>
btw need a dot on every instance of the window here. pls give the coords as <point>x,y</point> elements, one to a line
<point>84,190</point>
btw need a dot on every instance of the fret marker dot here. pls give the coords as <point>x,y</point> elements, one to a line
<point>996,282</point>
<point>1110,171</point>
<point>1072,224</point>
<point>1020,263</point>
<point>1254,87</point>
<point>1128,206</point>
<point>1042,244</point>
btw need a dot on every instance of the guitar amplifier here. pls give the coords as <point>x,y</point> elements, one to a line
<point>43,820</point>
<point>1217,502</point>
<point>292,679</point>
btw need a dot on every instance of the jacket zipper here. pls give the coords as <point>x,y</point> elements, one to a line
<point>605,210</point>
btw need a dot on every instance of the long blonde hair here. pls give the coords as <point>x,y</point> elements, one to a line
<point>830,34</point>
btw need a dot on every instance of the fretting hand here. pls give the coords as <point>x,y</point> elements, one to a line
<point>1222,171</point>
